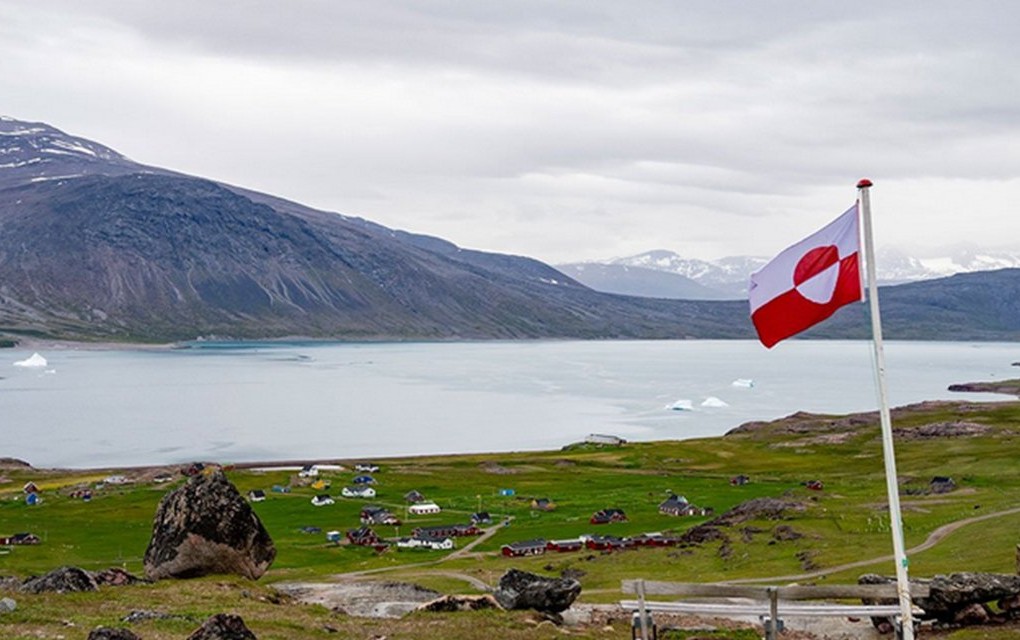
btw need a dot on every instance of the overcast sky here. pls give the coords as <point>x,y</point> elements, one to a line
<point>561,130</point>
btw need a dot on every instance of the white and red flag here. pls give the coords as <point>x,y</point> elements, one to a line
<point>809,281</point>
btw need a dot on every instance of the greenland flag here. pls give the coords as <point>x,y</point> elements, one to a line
<point>808,282</point>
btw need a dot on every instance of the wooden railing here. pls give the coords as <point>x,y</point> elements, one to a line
<point>765,602</point>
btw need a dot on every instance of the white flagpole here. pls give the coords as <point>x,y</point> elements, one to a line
<point>902,583</point>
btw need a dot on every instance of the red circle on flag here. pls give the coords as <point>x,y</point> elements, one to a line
<point>817,274</point>
<point>814,262</point>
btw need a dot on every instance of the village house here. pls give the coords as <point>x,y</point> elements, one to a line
<point>364,479</point>
<point>814,485</point>
<point>676,505</point>
<point>655,539</point>
<point>414,497</point>
<point>368,467</point>
<point>322,500</point>
<point>562,546</point>
<point>279,488</point>
<point>30,488</point>
<point>605,516</point>
<point>446,531</point>
<point>363,536</point>
<point>20,538</point>
<point>607,543</point>
<point>739,480</point>
<point>602,438</point>
<point>256,495</point>
<point>361,491</point>
<point>308,471</point>
<point>322,484</point>
<point>162,478</point>
<point>481,517</point>
<point>378,515</point>
<point>423,508</point>
<point>524,548</point>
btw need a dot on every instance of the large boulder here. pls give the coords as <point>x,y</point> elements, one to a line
<point>223,626</point>
<point>206,527</point>
<point>951,598</point>
<point>522,590</point>
<point>62,580</point>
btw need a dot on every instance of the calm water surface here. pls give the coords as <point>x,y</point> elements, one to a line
<point>288,401</point>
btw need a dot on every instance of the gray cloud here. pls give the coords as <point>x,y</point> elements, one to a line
<point>563,130</point>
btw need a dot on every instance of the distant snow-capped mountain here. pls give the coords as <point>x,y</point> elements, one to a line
<point>726,278</point>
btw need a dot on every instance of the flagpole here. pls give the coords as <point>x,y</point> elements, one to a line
<point>902,583</point>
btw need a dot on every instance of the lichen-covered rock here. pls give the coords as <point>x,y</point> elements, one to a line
<point>115,577</point>
<point>61,580</point>
<point>112,633</point>
<point>223,626</point>
<point>206,527</point>
<point>451,603</point>
<point>522,590</point>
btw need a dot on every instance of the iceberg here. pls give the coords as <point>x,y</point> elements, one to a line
<point>681,405</point>
<point>35,360</point>
<point>712,401</point>
<point>747,383</point>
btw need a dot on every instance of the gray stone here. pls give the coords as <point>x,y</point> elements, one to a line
<point>206,527</point>
<point>7,605</point>
<point>62,580</point>
<point>112,633</point>
<point>223,626</point>
<point>522,590</point>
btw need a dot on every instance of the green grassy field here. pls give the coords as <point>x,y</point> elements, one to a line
<point>846,522</point>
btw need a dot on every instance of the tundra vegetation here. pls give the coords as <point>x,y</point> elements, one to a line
<point>974,524</point>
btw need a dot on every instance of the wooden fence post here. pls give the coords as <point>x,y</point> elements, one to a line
<point>772,624</point>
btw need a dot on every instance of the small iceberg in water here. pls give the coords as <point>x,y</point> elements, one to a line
<point>34,361</point>
<point>712,401</point>
<point>746,383</point>
<point>681,405</point>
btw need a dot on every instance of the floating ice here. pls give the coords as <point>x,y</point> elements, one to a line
<point>747,383</point>
<point>712,401</point>
<point>35,360</point>
<point>681,405</point>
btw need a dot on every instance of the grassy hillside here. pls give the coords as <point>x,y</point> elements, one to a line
<point>846,522</point>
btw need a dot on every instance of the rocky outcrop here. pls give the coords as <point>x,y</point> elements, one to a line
<point>522,590</point>
<point>62,580</point>
<point>460,603</point>
<point>961,598</point>
<point>1009,387</point>
<point>206,527</point>
<point>223,626</point>
<point>112,633</point>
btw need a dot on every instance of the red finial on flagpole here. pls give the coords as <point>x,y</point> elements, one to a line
<point>864,183</point>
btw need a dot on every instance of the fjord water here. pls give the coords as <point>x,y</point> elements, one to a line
<point>248,402</point>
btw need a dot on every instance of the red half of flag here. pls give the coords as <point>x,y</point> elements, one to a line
<point>808,281</point>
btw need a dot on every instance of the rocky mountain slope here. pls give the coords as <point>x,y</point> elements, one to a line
<point>95,246</point>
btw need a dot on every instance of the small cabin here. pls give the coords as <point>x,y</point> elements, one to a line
<point>524,548</point>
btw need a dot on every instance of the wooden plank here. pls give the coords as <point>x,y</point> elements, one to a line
<point>702,608</point>
<point>848,591</point>
<point>697,589</point>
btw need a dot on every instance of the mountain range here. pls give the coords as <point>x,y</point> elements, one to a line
<point>666,274</point>
<point>95,246</point>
